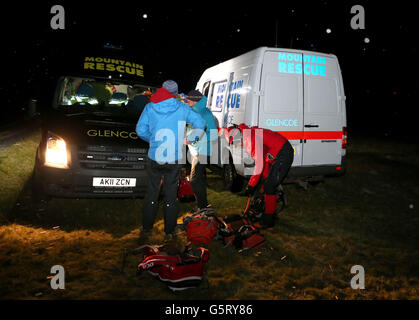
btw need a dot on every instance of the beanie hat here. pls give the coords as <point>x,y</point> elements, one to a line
<point>194,95</point>
<point>171,86</point>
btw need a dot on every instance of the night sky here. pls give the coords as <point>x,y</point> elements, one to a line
<point>179,41</point>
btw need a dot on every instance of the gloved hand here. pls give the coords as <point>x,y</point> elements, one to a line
<point>248,192</point>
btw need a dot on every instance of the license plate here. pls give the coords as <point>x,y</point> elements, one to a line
<point>114,182</point>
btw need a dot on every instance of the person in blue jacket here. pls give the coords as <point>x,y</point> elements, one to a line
<point>201,151</point>
<point>162,124</point>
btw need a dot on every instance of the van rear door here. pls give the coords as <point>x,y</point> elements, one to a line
<point>322,111</point>
<point>281,98</point>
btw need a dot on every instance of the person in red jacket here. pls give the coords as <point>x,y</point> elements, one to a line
<point>273,155</point>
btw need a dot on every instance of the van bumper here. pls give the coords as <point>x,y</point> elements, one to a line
<point>315,171</point>
<point>68,183</point>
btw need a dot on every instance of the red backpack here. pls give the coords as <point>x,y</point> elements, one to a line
<point>185,192</point>
<point>201,226</point>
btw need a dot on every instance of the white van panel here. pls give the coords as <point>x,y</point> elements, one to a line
<point>322,112</point>
<point>281,102</point>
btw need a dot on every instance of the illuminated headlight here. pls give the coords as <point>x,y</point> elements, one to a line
<point>56,152</point>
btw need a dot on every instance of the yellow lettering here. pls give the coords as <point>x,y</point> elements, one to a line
<point>110,67</point>
<point>89,59</point>
<point>130,70</point>
<point>98,59</point>
<point>123,132</point>
<point>128,64</point>
<point>107,133</point>
<point>140,73</point>
<point>89,65</point>
<point>133,135</point>
<point>100,66</point>
<point>92,133</point>
<point>100,134</point>
<point>120,69</point>
<point>115,134</point>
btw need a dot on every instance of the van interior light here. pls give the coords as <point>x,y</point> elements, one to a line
<point>56,153</point>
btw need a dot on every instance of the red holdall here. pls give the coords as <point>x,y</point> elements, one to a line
<point>179,272</point>
<point>241,233</point>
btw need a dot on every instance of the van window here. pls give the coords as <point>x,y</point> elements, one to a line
<point>218,96</point>
<point>281,93</point>
<point>205,88</point>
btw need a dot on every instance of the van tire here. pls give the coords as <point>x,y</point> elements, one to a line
<point>232,181</point>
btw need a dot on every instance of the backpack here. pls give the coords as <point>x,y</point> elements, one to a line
<point>178,272</point>
<point>201,226</point>
<point>239,232</point>
<point>185,192</point>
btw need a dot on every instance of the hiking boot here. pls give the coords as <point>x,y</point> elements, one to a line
<point>145,237</point>
<point>267,221</point>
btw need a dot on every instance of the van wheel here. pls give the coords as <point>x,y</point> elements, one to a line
<point>232,181</point>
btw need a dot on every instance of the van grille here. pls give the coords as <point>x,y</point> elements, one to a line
<point>104,157</point>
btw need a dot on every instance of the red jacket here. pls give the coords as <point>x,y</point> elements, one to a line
<point>258,143</point>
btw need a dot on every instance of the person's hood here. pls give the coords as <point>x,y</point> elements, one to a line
<point>200,105</point>
<point>162,101</point>
<point>160,95</point>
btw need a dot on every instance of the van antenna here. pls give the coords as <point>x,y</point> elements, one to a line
<point>276,33</point>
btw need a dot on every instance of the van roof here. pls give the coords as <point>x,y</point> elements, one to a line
<point>261,50</point>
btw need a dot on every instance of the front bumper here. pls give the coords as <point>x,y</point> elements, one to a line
<point>77,182</point>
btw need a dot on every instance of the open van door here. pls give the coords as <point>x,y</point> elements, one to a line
<point>281,100</point>
<point>322,111</point>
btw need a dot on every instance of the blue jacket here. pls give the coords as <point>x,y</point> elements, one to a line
<point>162,124</point>
<point>203,146</point>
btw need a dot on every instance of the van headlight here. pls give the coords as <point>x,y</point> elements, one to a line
<point>56,152</point>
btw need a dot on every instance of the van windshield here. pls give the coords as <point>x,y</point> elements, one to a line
<point>91,95</point>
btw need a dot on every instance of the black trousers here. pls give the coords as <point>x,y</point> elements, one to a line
<point>198,179</point>
<point>279,169</point>
<point>167,176</point>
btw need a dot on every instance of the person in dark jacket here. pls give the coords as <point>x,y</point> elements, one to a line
<point>273,155</point>
<point>160,124</point>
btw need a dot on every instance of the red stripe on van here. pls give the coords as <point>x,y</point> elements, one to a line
<point>292,135</point>
<point>322,135</point>
<point>311,135</point>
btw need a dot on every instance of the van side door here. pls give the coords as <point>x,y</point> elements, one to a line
<point>281,98</point>
<point>322,111</point>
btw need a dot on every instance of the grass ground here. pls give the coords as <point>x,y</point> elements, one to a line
<point>368,217</point>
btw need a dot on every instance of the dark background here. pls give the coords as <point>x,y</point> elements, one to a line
<point>179,41</point>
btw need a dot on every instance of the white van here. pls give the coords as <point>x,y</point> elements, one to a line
<point>294,92</point>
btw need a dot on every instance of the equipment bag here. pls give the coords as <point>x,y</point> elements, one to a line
<point>239,232</point>
<point>178,272</point>
<point>185,192</point>
<point>201,226</point>
<point>255,209</point>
